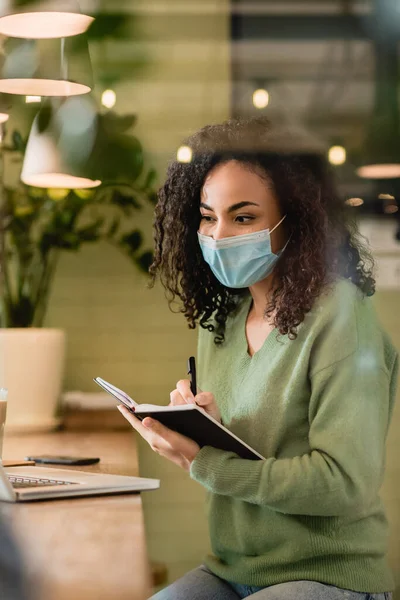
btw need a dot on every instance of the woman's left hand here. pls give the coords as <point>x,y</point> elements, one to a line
<point>178,448</point>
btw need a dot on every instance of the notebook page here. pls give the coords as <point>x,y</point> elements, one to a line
<point>114,391</point>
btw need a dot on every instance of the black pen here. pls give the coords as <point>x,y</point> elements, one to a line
<point>192,373</point>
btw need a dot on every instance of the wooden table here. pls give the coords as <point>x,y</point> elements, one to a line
<point>82,548</point>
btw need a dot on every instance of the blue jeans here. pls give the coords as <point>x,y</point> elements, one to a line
<point>201,584</point>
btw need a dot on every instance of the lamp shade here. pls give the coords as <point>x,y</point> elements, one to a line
<point>376,170</point>
<point>59,146</point>
<point>46,19</point>
<point>50,67</point>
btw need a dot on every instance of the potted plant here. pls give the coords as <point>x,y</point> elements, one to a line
<point>36,226</point>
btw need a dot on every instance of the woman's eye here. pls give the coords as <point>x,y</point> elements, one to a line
<point>243,219</point>
<point>238,219</point>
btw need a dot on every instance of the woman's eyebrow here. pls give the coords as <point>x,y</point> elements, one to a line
<point>231,208</point>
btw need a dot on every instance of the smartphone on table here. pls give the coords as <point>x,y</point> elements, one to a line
<point>50,459</point>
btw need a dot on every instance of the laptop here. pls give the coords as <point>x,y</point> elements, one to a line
<point>22,484</point>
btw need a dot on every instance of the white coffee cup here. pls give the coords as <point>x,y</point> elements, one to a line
<point>3,413</point>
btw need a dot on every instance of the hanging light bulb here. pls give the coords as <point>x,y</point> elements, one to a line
<point>386,197</point>
<point>354,202</point>
<point>391,209</point>
<point>337,155</point>
<point>260,98</point>
<point>380,171</point>
<point>184,154</point>
<point>108,98</point>
<point>56,154</point>
<point>44,20</point>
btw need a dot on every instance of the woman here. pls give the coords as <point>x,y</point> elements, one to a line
<point>292,359</point>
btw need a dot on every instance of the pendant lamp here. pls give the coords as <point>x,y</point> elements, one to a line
<point>46,19</point>
<point>380,158</point>
<point>49,67</point>
<point>60,144</point>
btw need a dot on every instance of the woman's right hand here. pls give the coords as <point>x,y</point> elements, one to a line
<point>183,395</point>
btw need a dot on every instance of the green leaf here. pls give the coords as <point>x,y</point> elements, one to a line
<point>46,243</point>
<point>34,192</point>
<point>107,25</point>
<point>66,241</point>
<point>133,240</point>
<point>90,233</point>
<point>152,197</point>
<point>69,241</point>
<point>44,117</point>
<point>124,200</point>
<point>20,313</point>
<point>113,227</point>
<point>145,260</point>
<point>114,123</point>
<point>150,179</point>
<point>19,144</point>
<point>88,236</point>
<point>116,156</point>
<point>22,211</point>
<point>64,218</point>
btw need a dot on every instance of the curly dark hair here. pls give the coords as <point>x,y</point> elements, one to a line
<point>324,241</point>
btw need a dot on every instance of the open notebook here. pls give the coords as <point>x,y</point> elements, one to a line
<point>189,420</point>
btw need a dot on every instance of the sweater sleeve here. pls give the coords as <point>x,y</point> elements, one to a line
<point>342,472</point>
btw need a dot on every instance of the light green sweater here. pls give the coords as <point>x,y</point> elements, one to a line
<point>318,408</point>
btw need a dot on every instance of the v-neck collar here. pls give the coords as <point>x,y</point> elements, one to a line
<point>269,341</point>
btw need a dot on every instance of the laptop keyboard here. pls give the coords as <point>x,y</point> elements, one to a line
<point>25,482</point>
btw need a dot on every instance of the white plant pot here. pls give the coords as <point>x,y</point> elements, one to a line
<point>32,369</point>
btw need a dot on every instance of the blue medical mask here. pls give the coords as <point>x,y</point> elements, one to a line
<point>241,260</point>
